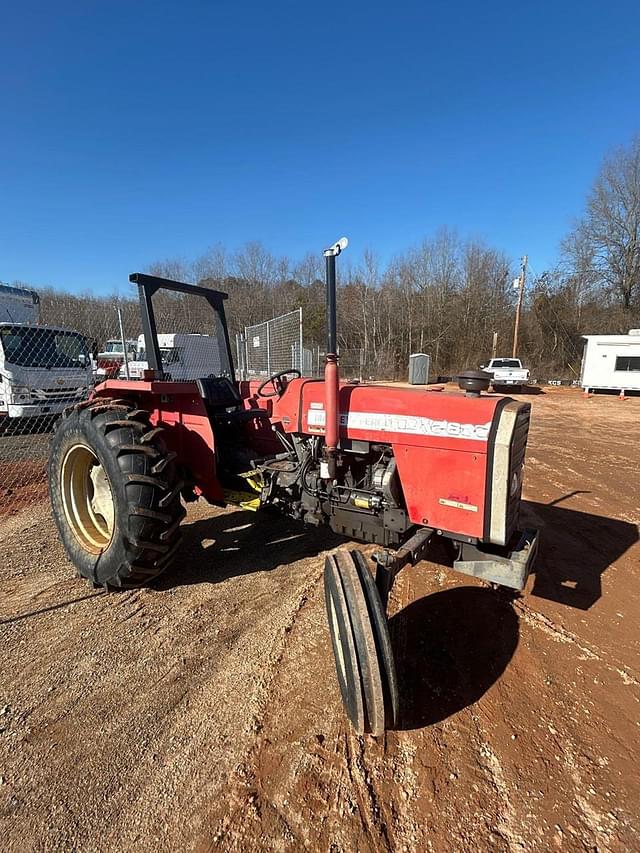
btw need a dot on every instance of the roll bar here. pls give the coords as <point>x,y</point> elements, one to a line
<point>150,284</point>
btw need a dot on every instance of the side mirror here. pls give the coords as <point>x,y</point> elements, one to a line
<point>482,366</point>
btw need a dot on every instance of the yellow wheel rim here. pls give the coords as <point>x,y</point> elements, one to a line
<point>87,498</point>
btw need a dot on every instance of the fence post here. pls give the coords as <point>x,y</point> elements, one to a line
<point>301,365</point>
<point>268,348</point>
<point>241,355</point>
<point>124,344</point>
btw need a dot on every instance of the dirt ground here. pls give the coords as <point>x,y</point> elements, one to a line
<point>204,713</point>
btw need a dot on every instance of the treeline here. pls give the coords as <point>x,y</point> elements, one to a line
<point>446,296</point>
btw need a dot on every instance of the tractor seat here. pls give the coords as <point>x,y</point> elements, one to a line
<point>223,402</point>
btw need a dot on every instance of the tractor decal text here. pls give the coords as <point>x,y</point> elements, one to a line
<point>408,424</point>
<point>456,504</point>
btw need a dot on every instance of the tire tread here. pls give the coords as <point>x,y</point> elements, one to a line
<point>148,523</point>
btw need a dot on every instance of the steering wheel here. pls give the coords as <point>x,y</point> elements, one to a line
<point>278,385</point>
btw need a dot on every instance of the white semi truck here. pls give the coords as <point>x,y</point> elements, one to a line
<point>42,369</point>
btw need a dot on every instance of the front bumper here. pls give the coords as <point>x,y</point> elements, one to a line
<point>508,566</point>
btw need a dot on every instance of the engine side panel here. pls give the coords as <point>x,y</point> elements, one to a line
<point>443,488</point>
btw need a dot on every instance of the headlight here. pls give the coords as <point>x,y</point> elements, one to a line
<point>21,393</point>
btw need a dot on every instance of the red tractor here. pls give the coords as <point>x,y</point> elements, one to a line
<point>393,466</point>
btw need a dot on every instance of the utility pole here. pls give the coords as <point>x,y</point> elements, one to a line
<point>494,345</point>
<point>521,283</point>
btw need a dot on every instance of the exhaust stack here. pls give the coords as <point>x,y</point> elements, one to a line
<point>331,371</point>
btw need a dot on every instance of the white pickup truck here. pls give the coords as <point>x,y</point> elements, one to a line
<point>507,374</point>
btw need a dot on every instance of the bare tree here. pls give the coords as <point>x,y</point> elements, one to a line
<point>607,238</point>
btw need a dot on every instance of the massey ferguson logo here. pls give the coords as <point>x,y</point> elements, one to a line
<point>407,424</point>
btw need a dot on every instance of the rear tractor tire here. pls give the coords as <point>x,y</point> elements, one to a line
<point>115,494</point>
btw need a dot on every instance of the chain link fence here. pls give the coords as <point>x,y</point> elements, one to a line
<point>272,346</point>
<point>352,365</point>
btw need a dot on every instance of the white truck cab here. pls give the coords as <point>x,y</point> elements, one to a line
<point>108,361</point>
<point>114,349</point>
<point>42,370</point>
<point>184,356</point>
<point>507,373</point>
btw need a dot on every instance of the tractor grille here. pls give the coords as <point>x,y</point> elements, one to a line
<point>516,468</point>
<point>506,460</point>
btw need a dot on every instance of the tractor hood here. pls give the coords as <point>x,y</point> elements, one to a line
<point>458,454</point>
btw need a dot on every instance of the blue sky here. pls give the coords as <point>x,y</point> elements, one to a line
<point>133,132</point>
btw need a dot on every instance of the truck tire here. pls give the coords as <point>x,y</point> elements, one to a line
<point>115,493</point>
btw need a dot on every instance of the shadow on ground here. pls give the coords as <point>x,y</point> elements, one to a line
<point>576,548</point>
<point>239,543</point>
<point>450,648</point>
<point>529,390</point>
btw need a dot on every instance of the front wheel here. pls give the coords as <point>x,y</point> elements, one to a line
<point>115,494</point>
<point>361,644</point>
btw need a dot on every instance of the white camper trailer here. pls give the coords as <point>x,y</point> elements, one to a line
<point>611,362</point>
